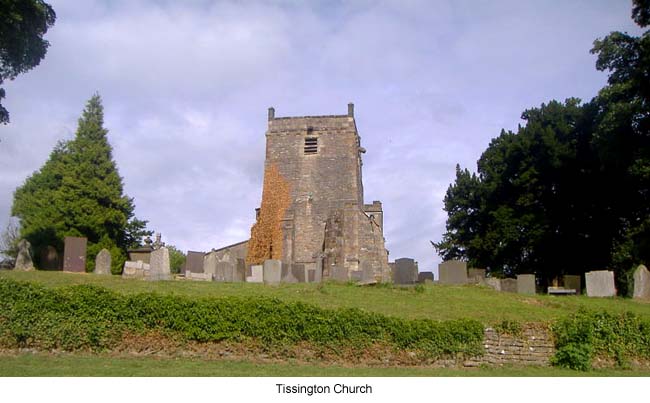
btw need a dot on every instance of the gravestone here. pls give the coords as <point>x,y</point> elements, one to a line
<point>298,271</point>
<point>368,273</point>
<point>198,276</point>
<point>24,259</point>
<point>240,271</point>
<point>103,262</point>
<point>287,274</point>
<point>311,275</point>
<point>508,285</point>
<point>406,271</point>
<point>600,283</point>
<point>452,272</point>
<point>135,269</point>
<point>641,283</point>
<point>356,275</point>
<point>257,274</point>
<point>272,271</point>
<point>425,277</point>
<point>159,265</point>
<point>338,274</point>
<point>50,258</point>
<point>526,284</point>
<point>225,272</point>
<point>74,254</point>
<point>210,263</point>
<point>194,262</point>
<point>494,283</point>
<point>573,283</point>
<point>475,276</point>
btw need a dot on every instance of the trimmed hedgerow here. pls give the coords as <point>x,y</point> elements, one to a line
<point>588,334</point>
<point>86,316</point>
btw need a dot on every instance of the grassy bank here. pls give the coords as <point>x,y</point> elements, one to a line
<point>432,301</point>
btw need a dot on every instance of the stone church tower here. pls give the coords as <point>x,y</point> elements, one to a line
<point>312,210</point>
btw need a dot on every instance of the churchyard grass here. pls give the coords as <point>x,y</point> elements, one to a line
<point>80,364</point>
<point>432,301</point>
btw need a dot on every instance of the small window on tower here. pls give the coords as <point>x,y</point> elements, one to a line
<point>311,145</point>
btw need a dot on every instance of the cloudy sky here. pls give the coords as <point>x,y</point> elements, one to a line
<point>186,87</point>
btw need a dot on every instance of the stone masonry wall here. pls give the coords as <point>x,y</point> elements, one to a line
<point>534,346</point>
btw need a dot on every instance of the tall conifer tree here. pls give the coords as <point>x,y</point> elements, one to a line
<point>79,192</point>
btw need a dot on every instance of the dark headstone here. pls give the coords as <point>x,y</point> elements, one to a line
<point>240,270</point>
<point>50,258</point>
<point>74,254</point>
<point>338,274</point>
<point>194,262</point>
<point>405,272</point>
<point>425,276</point>
<point>311,275</point>
<point>298,271</point>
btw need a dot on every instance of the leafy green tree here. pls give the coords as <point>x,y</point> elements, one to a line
<point>176,259</point>
<point>22,47</point>
<point>9,240</point>
<point>79,192</point>
<point>569,191</point>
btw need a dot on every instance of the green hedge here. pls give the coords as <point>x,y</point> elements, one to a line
<point>86,316</point>
<point>589,334</point>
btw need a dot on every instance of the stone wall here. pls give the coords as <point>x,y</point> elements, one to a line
<point>534,346</point>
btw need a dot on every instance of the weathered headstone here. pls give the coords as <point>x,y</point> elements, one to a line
<point>210,263</point>
<point>159,265</point>
<point>194,262</point>
<point>24,259</point>
<point>257,274</point>
<point>74,254</point>
<point>425,277</point>
<point>356,275</point>
<point>573,283</point>
<point>298,271</point>
<point>135,269</point>
<point>103,262</point>
<point>508,285</point>
<point>453,272</point>
<point>50,258</point>
<point>368,273</point>
<point>225,272</point>
<point>311,275</point>
<point>600,283</point>
<point>475,276</point>
<point>406,271</point>
<point>287,274</point>
<point>526,284</point>
<point>338,274</point>
<point>493,282</point>
<point>240,271</point>
<point>641,283</point>
<point>272,271</point>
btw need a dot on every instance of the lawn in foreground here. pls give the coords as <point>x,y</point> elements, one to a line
<point>80,364</point>
<point>433,301</point>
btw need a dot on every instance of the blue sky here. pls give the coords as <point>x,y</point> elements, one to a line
<point>186,87</point>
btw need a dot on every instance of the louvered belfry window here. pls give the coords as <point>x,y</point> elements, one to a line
<point>311,145</point>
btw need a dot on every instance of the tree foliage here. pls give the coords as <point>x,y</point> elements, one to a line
<point>176,258</point>
<point>79,192</point>
<point>22,47</point>
<point>570,190</point>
